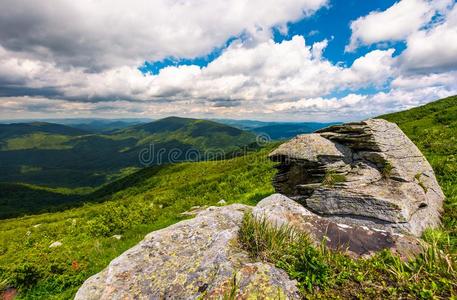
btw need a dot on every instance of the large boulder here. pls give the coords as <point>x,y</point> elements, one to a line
<point>361,174</point>
<point>193,259</point>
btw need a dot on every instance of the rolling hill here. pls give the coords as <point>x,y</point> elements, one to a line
<point>93,125</point>
<point>8,131</point>
<point>61,156</point>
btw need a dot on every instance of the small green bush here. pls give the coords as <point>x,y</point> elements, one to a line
<point>25,275</point>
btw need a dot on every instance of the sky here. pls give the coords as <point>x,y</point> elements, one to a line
<point>289,60</point>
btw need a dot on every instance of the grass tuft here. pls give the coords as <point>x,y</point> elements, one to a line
<point>322,273</point>
<point>287,248</point>
<point>386,170</point>
<point>331,178</point>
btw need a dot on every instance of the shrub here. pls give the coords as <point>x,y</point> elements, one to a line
<point>25,275</point>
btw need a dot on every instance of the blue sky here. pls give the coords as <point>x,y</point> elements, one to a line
<point>331,23</point>
<point>302,60</point>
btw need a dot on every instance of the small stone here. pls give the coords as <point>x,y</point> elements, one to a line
<point>117,236</point>
<point>55,244</point>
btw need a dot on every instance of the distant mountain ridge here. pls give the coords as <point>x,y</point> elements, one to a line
<point>15,129</point>
<point>289,130</point>
<point>59,155</point>
<point>277,130</point>
<point>95,125</point>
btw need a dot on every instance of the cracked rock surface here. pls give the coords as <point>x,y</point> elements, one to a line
<point>367,174</point>
<point>193,259</point>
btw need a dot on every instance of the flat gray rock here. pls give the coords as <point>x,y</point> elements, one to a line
<point>368,173</point>
<point>189,260</point>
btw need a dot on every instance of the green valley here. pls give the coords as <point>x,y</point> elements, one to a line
<point>45,157</point>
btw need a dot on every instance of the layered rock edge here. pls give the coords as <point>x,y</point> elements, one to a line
<point>200,258</point>
<point>367,174</point>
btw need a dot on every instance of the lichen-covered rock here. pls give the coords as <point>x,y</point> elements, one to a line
<point>356,240</point>
<point>367,173</point>
<point>191,259</point>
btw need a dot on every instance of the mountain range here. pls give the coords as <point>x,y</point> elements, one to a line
<point>58,155</point>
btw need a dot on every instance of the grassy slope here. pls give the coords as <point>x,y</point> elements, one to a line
<point>148,200</point>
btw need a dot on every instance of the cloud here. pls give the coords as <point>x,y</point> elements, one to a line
<point>268,71</point>
<point>394,24</point>
<point>245,80</point>
<point>433,49</point>
<point>405,93</point>
<point>104,34</point>
<point>412,82</point>
<point>66,65</point>
<point>357,107</point>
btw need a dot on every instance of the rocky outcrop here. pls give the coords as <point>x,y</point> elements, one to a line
<point>359,188</point>
<point>193,259</point>
<point>361,174</point>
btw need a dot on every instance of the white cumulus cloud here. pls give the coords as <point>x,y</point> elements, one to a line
<point>394,24</point>
<point>104,33</point>
<point>433,49</point>
<point>267,72</point>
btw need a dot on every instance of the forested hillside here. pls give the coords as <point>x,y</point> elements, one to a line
<point>60,156</point>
